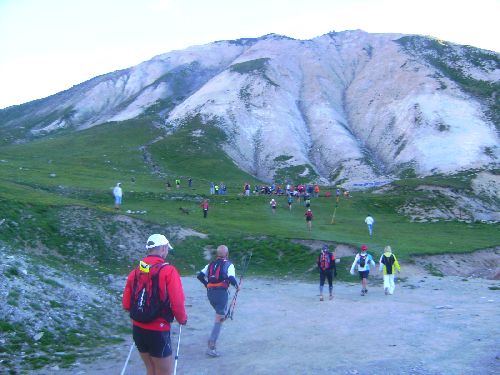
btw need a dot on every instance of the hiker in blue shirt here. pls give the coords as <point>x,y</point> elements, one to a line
<point>362,262</point>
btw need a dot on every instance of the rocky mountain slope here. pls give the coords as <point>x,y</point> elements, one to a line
<point>348,106</point>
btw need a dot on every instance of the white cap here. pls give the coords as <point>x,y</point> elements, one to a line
<point>157,240</point>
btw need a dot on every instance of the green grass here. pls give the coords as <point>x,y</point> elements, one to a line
<point>38,211</point>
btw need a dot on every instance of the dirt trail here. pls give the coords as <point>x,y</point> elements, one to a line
<point>430,326</point>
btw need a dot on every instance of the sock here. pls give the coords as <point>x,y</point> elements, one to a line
<point>215,332</point>
<point>321,289</point>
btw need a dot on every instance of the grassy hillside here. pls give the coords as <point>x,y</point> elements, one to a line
<point>59,228</point>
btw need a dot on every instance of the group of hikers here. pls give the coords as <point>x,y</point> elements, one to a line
<point>154,295</point>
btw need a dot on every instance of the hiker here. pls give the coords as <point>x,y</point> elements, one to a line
<point>216,276</point>
<point>326,263</point>
<point>307,200</point>
<point>190,182</point>
<point>151,327</point>
<point>177,183</point>
<point>216,189</point>
<point>369,222</point>
<point>309,217</point>
<point>290,201</point>
<point>273,205</point>
<point>118,194</point>
<point>204,206</point>
<point>212,188</point>
<point>168,185</point>
<point>247,189</point>
<point>362,261</point>
<point>387,263</point>
<point>316,191</point>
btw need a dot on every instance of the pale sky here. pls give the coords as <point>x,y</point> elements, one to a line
<point>47,46</point>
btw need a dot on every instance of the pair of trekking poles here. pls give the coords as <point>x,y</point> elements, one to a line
<point>245,262</point>
<point>176,354</point>
<point>229,314</point>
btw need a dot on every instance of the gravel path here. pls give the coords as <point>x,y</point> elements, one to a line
<point>429,326</point>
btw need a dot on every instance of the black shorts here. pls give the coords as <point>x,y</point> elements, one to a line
<point>363,274</point>
<point>218,299</point>
<point>156,343</point>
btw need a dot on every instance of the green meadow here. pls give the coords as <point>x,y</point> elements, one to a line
<point>57,214</point>
<point>80,169</point>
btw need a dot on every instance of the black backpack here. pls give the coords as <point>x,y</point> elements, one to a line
<point>145,301</point>
<point>362,260</point>
<point>388,262</point>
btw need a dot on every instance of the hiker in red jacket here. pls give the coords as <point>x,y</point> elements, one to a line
<point>309,217</point>
<point>151,332</point>
<point>204,206</point>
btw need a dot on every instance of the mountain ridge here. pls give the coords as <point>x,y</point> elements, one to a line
<point>344,106</point>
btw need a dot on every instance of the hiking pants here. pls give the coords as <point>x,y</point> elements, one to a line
<point>325,274</point>
<point>389,283</point>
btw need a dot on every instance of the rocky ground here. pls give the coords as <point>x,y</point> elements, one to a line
<point>431,325</point>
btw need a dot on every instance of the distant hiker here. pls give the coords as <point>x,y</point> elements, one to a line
<point>216,189</point>
<point>118,194</point>
<point>273,205</point>
<point>247,189</point>
<point>389,264</point>
<point>290,201</point>
<point>307,200</point>
<point>337,195</point>
<point>212,188</point>
<point>362,262</point>
<point>369,222</point>
<point>309,217</point>
<point>316,191</point>
<point>177,183</point>
<point>168,185</point>
<point>154,296</point>
<point>216,276</point>
<point>326,264</point>
<point>204,207</point>
<point>190,182</point>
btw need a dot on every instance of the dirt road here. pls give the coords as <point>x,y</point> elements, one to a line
<point>430,326</point>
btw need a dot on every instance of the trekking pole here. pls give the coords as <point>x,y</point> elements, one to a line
<point>232,306</point>
<point>333,216</point>
<point>177,353</point>
<point>128,358</point>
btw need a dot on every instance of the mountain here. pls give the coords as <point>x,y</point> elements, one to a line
<point>343,107</point>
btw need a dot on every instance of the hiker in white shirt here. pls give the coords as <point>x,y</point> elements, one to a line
<point>118,193</point>
<point>370,221</point>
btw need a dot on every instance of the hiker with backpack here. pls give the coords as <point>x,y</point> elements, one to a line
<point>389,263</point>
<point>326,264</point>
<point>362,262</point>
<point>154,296</point>
<point>309,217</point>
<point>217,276</point>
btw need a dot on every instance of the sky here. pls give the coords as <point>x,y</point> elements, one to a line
<point>47,46</point>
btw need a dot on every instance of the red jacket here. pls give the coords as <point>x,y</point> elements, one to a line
<point>169,281</point>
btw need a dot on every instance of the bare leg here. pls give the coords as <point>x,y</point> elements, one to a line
<point>148,362</point>
<point>162,366</point>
